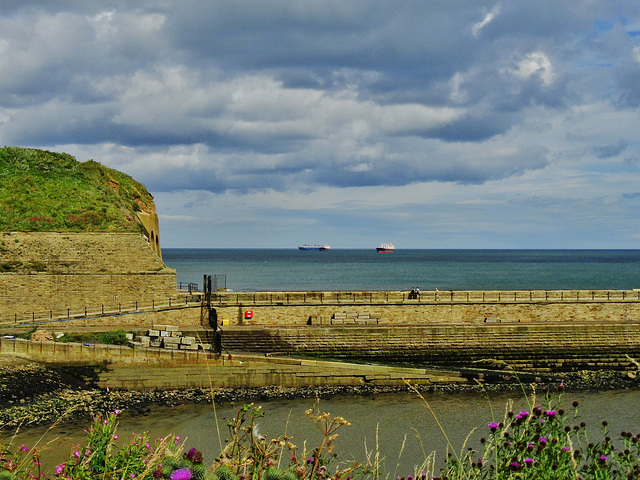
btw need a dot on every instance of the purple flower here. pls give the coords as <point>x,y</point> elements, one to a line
<point>514,464</point>
<point>522,414</point>
<point>528,461</point>
<point>543,440</point>
<point>603,458</point>
<point>551,413</point>
<point>60,468</point>
<point>191,453</point>
<point>493,426</point>
<point>182,474</point>
<point>565,449</point>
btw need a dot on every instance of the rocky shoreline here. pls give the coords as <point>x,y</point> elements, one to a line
<point>34,394</point>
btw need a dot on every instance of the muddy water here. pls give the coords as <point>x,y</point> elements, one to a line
<point>382,423</point>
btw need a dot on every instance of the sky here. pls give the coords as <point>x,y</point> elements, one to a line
<point>272,123</point>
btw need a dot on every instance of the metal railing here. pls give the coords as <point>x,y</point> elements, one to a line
<point>319,298</point>
<point>190,286</point>
<point>427,297</point>
<point>99,310</point>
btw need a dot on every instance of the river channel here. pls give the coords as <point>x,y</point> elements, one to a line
<point>378,423</point>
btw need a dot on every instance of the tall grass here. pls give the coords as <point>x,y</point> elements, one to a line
<point>48,191</point>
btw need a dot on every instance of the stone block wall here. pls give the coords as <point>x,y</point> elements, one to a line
<point>57,271</point>
<point>544,347</point>
<point>434,312</point>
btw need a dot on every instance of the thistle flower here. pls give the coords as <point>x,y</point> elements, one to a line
<point>182,474</point>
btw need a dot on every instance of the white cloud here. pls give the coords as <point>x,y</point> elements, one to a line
<point>535,64</point>
<point>477,27</point>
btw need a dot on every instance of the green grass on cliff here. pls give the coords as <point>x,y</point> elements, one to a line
<point>48,191</point>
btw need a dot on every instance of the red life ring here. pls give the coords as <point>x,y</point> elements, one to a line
<point>248,314</point>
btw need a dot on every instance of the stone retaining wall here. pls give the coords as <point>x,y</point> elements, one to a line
<point>151,368</point>
<point>409,313</point>
<point>55,271</point>
<point>542,348</point>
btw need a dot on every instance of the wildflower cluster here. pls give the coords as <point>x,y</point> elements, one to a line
<point>102,458</point>
<point>22,465</point>
<point>544,442</point>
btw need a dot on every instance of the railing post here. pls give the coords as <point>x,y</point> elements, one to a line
<point>50,314</point>
<point>33,316</point>
<point>136,305</point>
<point>85,310</point>
<point>68,312</point>
<point>102,309</point>
<point>169,301</point>
<point>119,307</point>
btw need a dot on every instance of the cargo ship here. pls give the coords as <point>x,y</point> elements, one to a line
<point>386,248</point>
<point>322,248</point>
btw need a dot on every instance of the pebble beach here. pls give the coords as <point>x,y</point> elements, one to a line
<point>34,394</point>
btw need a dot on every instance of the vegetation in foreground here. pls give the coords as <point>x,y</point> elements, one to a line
<point>542,442</point>
<point>48,191</point>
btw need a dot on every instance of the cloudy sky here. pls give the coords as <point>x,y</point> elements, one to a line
<point>271,123</point>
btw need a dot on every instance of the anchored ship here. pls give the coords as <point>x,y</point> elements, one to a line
<point>386,247</point>
<point>322,248</point>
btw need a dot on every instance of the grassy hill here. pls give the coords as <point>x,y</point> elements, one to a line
<point>47,191</point>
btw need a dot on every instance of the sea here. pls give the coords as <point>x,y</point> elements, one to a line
<point>246,270</point>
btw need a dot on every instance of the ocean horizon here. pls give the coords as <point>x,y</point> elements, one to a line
<point>290,269</point>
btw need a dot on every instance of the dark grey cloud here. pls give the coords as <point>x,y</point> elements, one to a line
<point>359,93</point>
<point>611,150</point>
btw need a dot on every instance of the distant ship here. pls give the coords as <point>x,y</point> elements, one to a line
<point>323,248</point>
<point>386,248</point>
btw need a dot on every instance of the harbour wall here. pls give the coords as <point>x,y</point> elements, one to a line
<point>55,272</point>
<point>459,307</point>
<point>121,367</point>
<point>523,347</point>
<point>350,308</point>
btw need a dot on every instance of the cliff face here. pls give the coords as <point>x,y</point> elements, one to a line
<point>43,191</point>
<point>75,234</point>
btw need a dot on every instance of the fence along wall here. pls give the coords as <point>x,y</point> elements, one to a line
<point>480,308</point>
<point>56,271</point>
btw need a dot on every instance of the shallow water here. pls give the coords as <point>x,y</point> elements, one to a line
<point>378,423</point>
